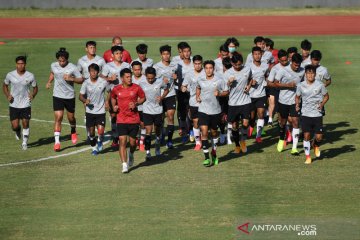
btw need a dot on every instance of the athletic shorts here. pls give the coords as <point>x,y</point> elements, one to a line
<point>288,110</point>
<point>183,104</point>
<point>169,103</point>
<point>194,112</point>
<point>309,124</point>
<point>150,119</point>
<point>126,129</point>
<point>19,113</point>
<point>239,112</point>
<point>224,104</point>
<point>212,121</point>
<point>93,120</point>
<point>258,102</point>
<point>59,104</point>
<point>141,116</point>
<point>270,91</point>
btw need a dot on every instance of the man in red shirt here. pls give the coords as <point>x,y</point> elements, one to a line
<point>117,41</point>
<point>124,99</point>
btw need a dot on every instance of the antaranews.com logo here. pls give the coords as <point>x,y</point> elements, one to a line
<point>299,229</point>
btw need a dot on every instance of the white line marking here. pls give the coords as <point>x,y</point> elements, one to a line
<point>50,157</point>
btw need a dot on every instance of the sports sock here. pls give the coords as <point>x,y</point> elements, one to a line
<point>170,134</point>
<point>295,136</point>
<point>57,137</point>
<point>205,147</point>
<point>197,135</point>
<point>307,147</point>
<point>259,127</point>
<point>236,136</point>
<point>26,133</point>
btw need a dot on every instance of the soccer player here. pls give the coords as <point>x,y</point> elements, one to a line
<point>209,88</point>
<point>224,52</point>
<point>176,59</point>
<point>238,79</point>
<point>20,98</point>
<point>152,108</point>
<point>232,44</point>
<point>305,52</point>
<point>266,57</point>
<point>92,94</point>
<point>190,84</point>
<point>125,98</point>
<point>90,57</point>
<point>259,72</point>
<point>165,70</point>
<point>117,41</point>
<point>272,91</point>
<point>313,95</point>
<point>141,51</point>
<point>322,73</point>
<point>111,72</point>
<point>64,74</point>
<point>269,46</point>
<point>287,79</point>
<point>137,78</point>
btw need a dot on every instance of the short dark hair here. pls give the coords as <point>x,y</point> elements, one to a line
<point>227,62</point>
<point>184,45</point>
<point>310,68</point>
<point>197,58</point>
<point>282,53</point>
<point>258,39</point>
<point>180,44</point>
<point>316,54</point>
<point>236,58</point>
<point>296,58</point>
<point>256,49</point>
<point>136,63</point>
<point>306,45</point>
<point>150,70</point>
<point>232,40</point>
<point>292,50</point>
<point>209,62</point>
<point>90,43</point>
<point>224,48</point>
<point>142,48</point>
<point>116,48</point>
<point>62,53</point>
<point>124,71</point>
<point>21,58</point>
<point>269,42</point>
<point>94,66</point>
<point>165,48</point>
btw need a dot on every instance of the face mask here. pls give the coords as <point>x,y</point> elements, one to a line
<point>232,49</point>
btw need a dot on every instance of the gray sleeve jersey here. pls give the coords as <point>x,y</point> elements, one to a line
<point>20,88</point>
<point>273,71</point>
<point>152,91</point>
<point>237,96</point>
<point>176,59</point>
<point>267,58</point>
<point>191,82</point>
<point>287,75</point>
<point>138,82</point>
<point>84,63</point>
<point>249,59</point>
<point>148,63</point>
<point>166,71</point>
<point>96,93</point>
<point>259,75</point>
<point>311,96</point>
<point>182,70</point>
<point>322,74</point>
<point>111,68</point>
<point>305,62</point>
<point>209,102</point>
<point>219,67</point>
<point>64,89</point>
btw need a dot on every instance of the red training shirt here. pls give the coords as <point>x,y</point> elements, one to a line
<point>108,57</point>
<point>124,97</point>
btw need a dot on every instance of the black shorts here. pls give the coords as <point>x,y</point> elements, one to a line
<point>212,121</point>
<point>309,124</point>
<point>150,119</point>
<point>93,120</point>
<point>224,104</point>
<point>141,116</point>
<point>258,102</point>
<point>19,113</point>
<point>169,103</point>
<point>239,112</point>
<point>288,110</point>
<point>194,112</point>
<point>270,91</point>
<point>183,104</point>
<point>126,129</point>
<point>59,104</point>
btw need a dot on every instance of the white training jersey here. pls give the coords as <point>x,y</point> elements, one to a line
<point>84,62</point>
<point>64,89</point>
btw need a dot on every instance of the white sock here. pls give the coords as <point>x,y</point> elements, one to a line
<point>259,127</point>
<point>57,137</point>
<point>197,135</point>
<point>25,133</point>
<point>214,143</point>
<point>270,119</point>
<point>306,147</point>
<point>142,135</point>
<point>229,129</point>
<point>295,137</point>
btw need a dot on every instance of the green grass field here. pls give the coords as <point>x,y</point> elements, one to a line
<point>175,197</point>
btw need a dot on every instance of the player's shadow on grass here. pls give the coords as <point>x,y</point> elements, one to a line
<point>334,152</point>
<point>50,141</point>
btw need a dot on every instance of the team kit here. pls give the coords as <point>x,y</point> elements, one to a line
<point>223,101</point>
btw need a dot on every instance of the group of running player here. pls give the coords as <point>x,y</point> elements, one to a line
<point>227,93</point>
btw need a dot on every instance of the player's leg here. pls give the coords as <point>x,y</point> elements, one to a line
<point>92,137</point>
<point>58,115</point>
<point>148,123</point>
<point>260,111</point>
<point>170,127</point>
<point>283,116</point>
<point>70,112</point>
<point>100,122</point>
<point>296,131</point>
<point>122,150</point>
<point>142,133</point>
<point>26,130</point>
<point>115,136</point>
<point>15,122</point>
<point>134,128</point>
<point>318,128</point>
<point>158,123</point>
<point>252,118</point>
<point>203,123</point>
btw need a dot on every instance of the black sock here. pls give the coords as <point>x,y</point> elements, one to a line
<point>170,129</point>
<point>147,142</point>
<point>73,129</point>
<point>222,128</point>
<point>316,143</point>
<point>93,141</point>
<point>282,132</point>
<point>205,147</point>
<point>236,137</point>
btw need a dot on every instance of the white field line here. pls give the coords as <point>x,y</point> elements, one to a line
<point>50,157</point>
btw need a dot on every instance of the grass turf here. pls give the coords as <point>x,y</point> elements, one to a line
<point>174,197</point>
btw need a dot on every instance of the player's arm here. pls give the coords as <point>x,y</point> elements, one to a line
<point>7,93</point>
<point>34,92</point>
<point>50,80</point>
<point>279,84</point>
<point>297,102</point>
<point>198,92</point>
<point>114,102</point>
<point>141,99</point>
<point>327,82</point>
<point>71,78</point>
<point>83,99</point>
<point>165,93</point>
